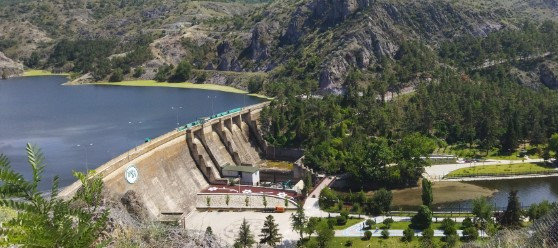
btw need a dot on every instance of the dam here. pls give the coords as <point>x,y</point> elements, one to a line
<point>183,170</point>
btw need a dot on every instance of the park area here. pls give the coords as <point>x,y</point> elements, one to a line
<point>503,170</point>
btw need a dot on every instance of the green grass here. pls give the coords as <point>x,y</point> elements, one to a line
<point>36,73</point>
<point>185,85</point>
<point>523,168</point>
<point>284,165</point>
<point>350,222</point>
<point>339,242</point>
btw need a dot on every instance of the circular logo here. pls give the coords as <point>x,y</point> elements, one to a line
<point>131,174</point>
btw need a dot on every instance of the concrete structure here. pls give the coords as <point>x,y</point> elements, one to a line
<point>174,167</point>
<point>249,175</point>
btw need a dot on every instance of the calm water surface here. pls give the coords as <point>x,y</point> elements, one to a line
<point>104,121</point>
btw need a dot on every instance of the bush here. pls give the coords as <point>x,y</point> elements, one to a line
<point>451,240</point>
<point>330,223</point>
<point>341,220</point>
<point>447,224</point>
<point>255,85</point>
<point>467,222</point>
<point>328,198</point>
<point>367,235</point>
<point>182,72</point>
<point>470,233</point>
<point>116,76</point>
<point>408,235</point>
<point>423,219</point>
<point>385,234</point>
<point>387,223</point>
<point>349,243</point>
<point>369,223</point>
<point>138,72</point>
<point>427,234</point>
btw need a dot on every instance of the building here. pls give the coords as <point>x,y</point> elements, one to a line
<point>249,175</point>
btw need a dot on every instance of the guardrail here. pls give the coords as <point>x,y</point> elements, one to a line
<point>507,174</point>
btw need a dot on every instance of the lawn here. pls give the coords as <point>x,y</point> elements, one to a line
<point>350,222</point>
<point>340,242</point>
<point>35,73</point>
<point>463,151</point>
<point>185,85</point>
<point>283,165</point>
<point>502,169</point>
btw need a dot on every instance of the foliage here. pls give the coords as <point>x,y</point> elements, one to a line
<point>138,72</point>
<point>324,234</point>
<point>470,233</point>
<point>553,144</point>
<point>270,234</point>
<point>46,220</point>
<point>163,73</point>
<point>467,222</point>
<point>182,72</point>
<point>387,223</point>
<point>482,209</point>
<point>428,234</point>
<point>369,223</point>
<point>385,233</point>
<point>427,197</point>
<point>536,211</point>
<point>408,235</point>
<point>380,202</point>
<point>367,235</point>
<point>341,220</point>
<point>451,239</point>
<point>423,218</point>
<point>448,225</point>
<point>299,220</point>
<point>245,238</point>
<point>512,216</point>
<point>255,84</point>
<point>328,198</point>
<point>264,201</point>
<point>116,76</point>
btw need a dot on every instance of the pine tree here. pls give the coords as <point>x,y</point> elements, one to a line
<point>245,237</point>
<point>512,215</point>
<point>270,232</point>
<point>298,220</point>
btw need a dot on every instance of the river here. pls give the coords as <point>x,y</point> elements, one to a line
<point>85,126</point>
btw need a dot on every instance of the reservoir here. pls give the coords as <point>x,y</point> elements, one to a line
<point>79,127</point>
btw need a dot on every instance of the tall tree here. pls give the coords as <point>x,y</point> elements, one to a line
<point>553,144</point>
<point>47,221</point>
<point>512,216</point>
<point>427,197</point>
<point>482,209</point>
<point>325,234</point>
<point>245,237</point>
<point>298,220</point>
<point>270,232</point>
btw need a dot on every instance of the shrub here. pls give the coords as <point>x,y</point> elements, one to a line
<point>451,240</point>
<point>369,223</point>
<point>387,223</point>
<point>467,222</point>
<point>255,85</point>
<point>408,235</point>
<point>349,243</point>
<point>138,72</point>
<point>328,198</point>
<point>367,235</point>
<point>341,220</point>
<point>470,233</point>
<point>427,234</point>
<point>447,224</point>
<point>423,219</point>
<point>385,234</point>
<point>116,76</point>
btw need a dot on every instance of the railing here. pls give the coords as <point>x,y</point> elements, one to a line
<point>505,174</point>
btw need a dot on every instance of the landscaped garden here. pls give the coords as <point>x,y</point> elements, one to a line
<point>503,169</point>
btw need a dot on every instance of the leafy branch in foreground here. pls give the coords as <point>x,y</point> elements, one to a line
<point>48,221</point>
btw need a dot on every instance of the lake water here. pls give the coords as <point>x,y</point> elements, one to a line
<point>79,126</point>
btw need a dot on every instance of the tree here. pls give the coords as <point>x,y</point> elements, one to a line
<point>385,233</point>
<point>324,234</point>
<point>451,239</point>
<point>427,197</point>
<point>328,198</point>
<point>512,216</point>
<point>367,235</point>
<point>311,225</point>
<point>470,233</point>
<point>422,219</point>
<point>182,72</point>
<point>387,223</point>
<point>208,231</point>
<point>298,220</point>
<point>264,201</point>
<point>537,211</point>
<point>427,234</point>
<point>408,235</point>
<point>138,72</point>
<point>448,225</point>
<point>307,184</point>
<point>380,202</point>
<point>369,223</point>
<point>270,232</point>
<point>482,210</point>
<point>117,75</point>
<point>45,220</point>
<point>245,238</point>
<point>163,73</point>
<point>553,144</point>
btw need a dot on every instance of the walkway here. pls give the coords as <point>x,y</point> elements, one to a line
<point>311,206</point>
<point>357,231</point>
<point>437,172</point>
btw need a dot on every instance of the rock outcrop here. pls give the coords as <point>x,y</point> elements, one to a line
<point>548,72</point>
<point>9,68</point>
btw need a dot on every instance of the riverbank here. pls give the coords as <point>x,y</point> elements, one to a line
<point>183,85</point>
<point>38,73</point>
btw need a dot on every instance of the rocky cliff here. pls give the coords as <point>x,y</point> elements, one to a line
<point>9,68</point>
<point>549,74</point>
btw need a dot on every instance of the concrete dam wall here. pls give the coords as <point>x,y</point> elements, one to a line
<point>172,169</point>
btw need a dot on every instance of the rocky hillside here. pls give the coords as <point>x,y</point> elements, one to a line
<point>9,68</point>
<point>326,39</point>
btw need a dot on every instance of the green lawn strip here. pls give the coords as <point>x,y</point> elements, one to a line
<point>350,222</point>
<point>184,85</point>
<point>36,73</point>
<point>340,242</point>
<point>501,169</point>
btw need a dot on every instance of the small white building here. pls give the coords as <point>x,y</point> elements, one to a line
<point>249,175</point>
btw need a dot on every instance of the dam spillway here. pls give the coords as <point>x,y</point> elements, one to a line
<point>173,168</point>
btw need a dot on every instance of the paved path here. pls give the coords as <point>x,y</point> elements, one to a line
<point>437,172</point>
<point>311,206</point>
<point>357,231</point>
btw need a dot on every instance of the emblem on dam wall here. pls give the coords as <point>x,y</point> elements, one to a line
<point>131,174</point>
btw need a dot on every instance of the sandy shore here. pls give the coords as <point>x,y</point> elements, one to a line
<point>443,192</point>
